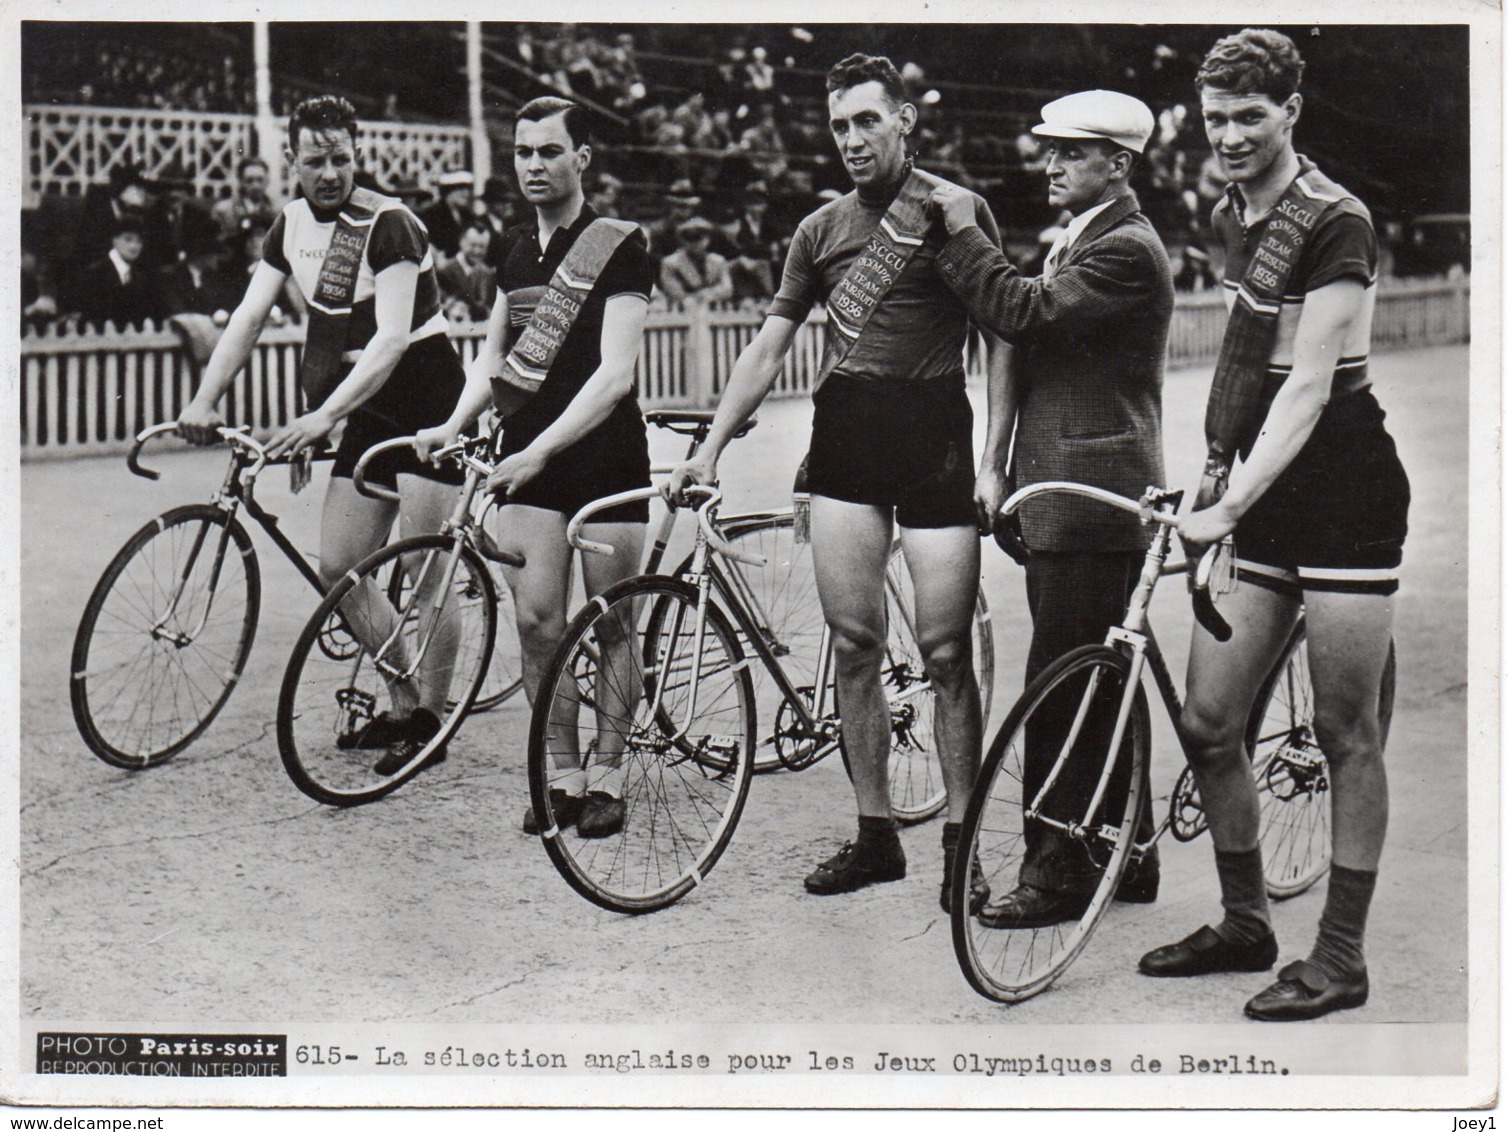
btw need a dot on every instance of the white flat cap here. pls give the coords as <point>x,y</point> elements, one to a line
<point>456,179</point>
<point>1103,114</point>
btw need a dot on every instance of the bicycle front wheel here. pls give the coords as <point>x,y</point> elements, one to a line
<point>382,644</point>
<point>165,636</point>
<point>1066,718</point>
<point>644,699</point>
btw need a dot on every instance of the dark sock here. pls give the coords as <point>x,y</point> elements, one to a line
<point>950,833</point>
<point>1337,948</point>
<point>879,834</point>
<point>423,724</point>
<point>1243,894</point>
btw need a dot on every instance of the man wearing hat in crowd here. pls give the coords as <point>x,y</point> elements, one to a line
<point>1084,399</point>
<point>116,288</point>
<point>198,283</point>
<point>695,273</point>
<point>497,209</point>
<point>753,245</point>
<point>681,204</point>
<point>446,218</point>
<point>125,192</point>
<point>251,204</point>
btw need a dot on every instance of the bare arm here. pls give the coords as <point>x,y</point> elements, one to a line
<point>1328,316</point>
<point>753,375</point>
<point>477,394</point>
<point>992,484</point>
<point>201,416</point>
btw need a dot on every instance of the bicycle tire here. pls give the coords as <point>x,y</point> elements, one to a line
<point>139,698</point>
<point>328,694</point>
<point>917,791</point>
<point>1012,964</point>
<point>684,791</point>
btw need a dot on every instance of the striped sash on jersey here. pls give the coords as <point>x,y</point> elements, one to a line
<point>529,362</point>
<point>1242,390</point>
<point>874,271</point>
<point>330,305</point>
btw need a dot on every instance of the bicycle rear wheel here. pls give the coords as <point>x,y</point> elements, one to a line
<point>433,641</point>
<point>1070,709</point>
<point>635,684</point>
<point>165,636</point>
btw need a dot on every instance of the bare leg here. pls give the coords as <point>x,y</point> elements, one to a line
<point>424,507</point>
<point>1222,685</point>
<point>850,545</point>
<point>944,565</point>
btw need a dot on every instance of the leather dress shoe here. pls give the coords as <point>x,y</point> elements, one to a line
<point>602,815</point>
<point>1140,881</point>
<point>566,808</point>
<point>1303,991</point>
<point>1206,952</point>
<point>1027,906</point>
<point>979,888</point>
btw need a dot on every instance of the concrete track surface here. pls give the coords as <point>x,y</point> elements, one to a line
<point>210,888</point>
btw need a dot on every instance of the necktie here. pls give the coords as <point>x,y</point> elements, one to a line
<point>1055,254</point>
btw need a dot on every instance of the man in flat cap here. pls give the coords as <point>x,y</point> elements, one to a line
<point>448,216</point>
<point>694,272</point>
<point>1084,397</point>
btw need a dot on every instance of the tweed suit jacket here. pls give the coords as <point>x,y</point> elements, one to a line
<point>1088,363</point>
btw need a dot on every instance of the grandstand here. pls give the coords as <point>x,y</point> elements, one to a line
<point>713,104</point>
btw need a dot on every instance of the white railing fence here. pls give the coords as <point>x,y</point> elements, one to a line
<point>87,391</point>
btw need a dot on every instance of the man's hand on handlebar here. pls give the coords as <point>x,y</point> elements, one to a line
<point>429,440</point>
<point>300,433</point>
<point>1201,528</point>
<point>198,424</point>
<point>687,474</point>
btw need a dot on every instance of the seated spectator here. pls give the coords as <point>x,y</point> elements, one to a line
<point>604,196</point>
<point>175,213</point>
<point>695,274</point>
<point>498,209</point>
<point>450,214</point>
<point>114,288</point>
<point>681,204</point>
<point>753,245</point>
<point>249,204</point>
<point>468,285</point>
<point>198,284</point>
<point>127,191</point>
<point>762,141</point>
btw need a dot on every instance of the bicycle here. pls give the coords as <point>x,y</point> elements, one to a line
<point>1090,705</point>
<point>676,715</point>
<point>423,598</point>
<point>169,625</point>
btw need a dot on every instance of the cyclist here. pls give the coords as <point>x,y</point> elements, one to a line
<point>376,358</point>
<point>891,443</point>
<point>559,371</point>
<point>1304,474</point>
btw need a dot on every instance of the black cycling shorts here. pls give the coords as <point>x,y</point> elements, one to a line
<point>1337,516</point>
<point>611,458</point>
<point>902,444</point>
<point>421,392</point>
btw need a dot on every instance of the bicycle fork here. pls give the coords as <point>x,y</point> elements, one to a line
<point>181,639</point>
